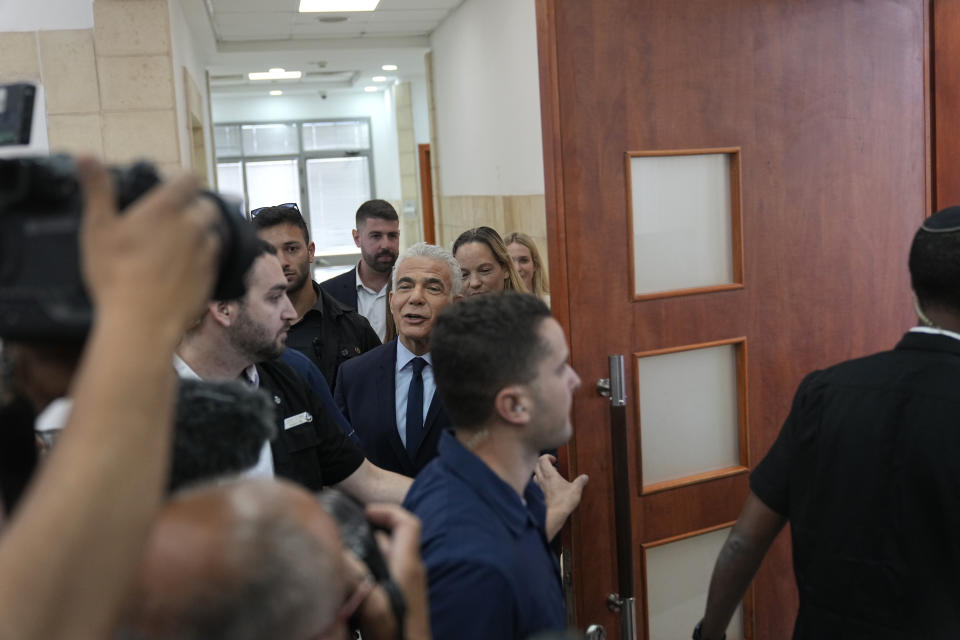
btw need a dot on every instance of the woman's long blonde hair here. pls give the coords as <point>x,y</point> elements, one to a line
<point>541,282</point>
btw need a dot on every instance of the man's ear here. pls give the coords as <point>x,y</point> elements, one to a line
<point>311,251</point>
<point>512,405</point>
<point>356,237</point>
<point>223,313</point>
<point>458,297</point>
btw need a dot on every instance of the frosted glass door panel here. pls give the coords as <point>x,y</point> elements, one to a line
<point>682,229</point>
<point>336,188</point>
<point>272,182</point>
<point>678,575</point>
<point>689,422</point>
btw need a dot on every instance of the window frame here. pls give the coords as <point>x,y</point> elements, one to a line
<point>301,157</point>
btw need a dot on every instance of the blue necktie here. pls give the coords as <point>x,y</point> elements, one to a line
<point>415,408</point>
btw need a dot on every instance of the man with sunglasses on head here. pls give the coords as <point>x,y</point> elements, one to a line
<point>326,330</point>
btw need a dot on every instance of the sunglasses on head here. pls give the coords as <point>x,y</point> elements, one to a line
<point>285,205</point>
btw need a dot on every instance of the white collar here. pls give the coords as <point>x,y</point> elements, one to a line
<point>184,371</point>
<point>404,356</point>
<point>936,331</point>
<point>54,416</point>
<point>360,284</point>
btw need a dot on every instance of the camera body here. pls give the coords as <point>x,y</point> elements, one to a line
<point>42,295</point>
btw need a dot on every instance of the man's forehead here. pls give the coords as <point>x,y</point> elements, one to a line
<point>419,267</point>
<point>379,224</point>
<point>552,333</point>
<point>281,233</point>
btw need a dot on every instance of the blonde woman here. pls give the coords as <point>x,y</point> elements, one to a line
<point>485,265</point>
<point>526,259</point>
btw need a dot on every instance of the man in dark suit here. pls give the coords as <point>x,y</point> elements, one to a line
<point>866,470</point>
<point>366,286</point>
<point>388,394</point>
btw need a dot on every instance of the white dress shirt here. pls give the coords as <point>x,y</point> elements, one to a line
<point>372,305</point>
<point>404,375</point>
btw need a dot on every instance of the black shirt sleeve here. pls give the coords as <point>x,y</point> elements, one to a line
<point>770,480</point>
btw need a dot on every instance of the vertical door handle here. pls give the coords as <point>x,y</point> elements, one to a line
<point>624,600</point>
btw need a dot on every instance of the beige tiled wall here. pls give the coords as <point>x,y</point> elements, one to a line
<point>69,70</point>
<point>19,58</point>
<point>410,226</point>
<point>131,28</point>
<point>135,68</point>
<point>504,213</point>
<point>109,89</point>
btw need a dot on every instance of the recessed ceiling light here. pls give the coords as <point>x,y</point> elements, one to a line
<point>276,92</point>
<point>275,74</point>
<point>379,78</point>
<point>389,67</point>
<point>371,89</point>
<point>337,6</point>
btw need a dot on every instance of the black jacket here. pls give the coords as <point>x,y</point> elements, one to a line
<point>331,333</point>
<point>310,448</point>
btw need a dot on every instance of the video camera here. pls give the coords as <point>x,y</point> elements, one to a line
<point>42,295</point>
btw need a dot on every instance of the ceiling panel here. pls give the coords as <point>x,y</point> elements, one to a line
<point>228,6</point>
<point>267,21</point>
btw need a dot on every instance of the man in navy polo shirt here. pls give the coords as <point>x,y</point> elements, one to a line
<point>501,369</point>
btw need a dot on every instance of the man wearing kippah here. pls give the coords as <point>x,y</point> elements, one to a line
<point>867,471</point>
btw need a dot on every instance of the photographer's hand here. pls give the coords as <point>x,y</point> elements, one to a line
<point>75,541</point>
<point>156,261</point>
<point>562,497</point>
<point>402,553</point>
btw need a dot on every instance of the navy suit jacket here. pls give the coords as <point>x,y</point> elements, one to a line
<point>343,287</point>
<point>366,395</point>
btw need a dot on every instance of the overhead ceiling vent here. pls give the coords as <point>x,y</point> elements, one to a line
<point>233,77</point>
<point>331,19</point>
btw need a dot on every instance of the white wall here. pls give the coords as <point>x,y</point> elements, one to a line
<point>379,107</point>
<point>186,53</point>
<point>421,109</point>
<point>487,99</point>
<point>45,15</point>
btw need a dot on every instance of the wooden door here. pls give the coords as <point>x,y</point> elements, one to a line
<point>825,101</point>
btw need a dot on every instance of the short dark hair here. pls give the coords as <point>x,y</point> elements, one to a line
<point>376,209</point>
<point>281,214</point>
<point>481,345</point>
<point>935,269</point>
<point>219,430</point>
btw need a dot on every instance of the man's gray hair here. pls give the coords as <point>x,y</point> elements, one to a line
<point>274,578</point>
<point>434,252</point>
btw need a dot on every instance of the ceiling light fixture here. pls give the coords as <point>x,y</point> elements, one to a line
<point>275,74</point>
<point>276,92</point>
<point>337,6</point>
<point>379,78</point>
<point>371,89</point>
<point>389,67</point>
